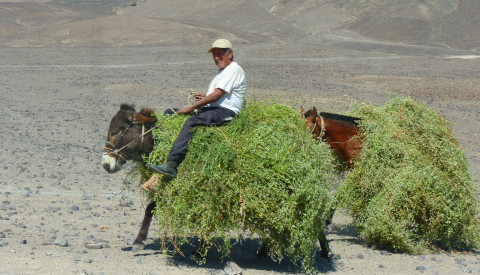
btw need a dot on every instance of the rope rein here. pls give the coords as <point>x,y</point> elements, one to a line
<point>322,127</point>
<point>110,148</point>
<point>144,133</point>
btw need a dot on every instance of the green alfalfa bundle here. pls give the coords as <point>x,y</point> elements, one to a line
<point>411,189</point>
<point>262,175</point>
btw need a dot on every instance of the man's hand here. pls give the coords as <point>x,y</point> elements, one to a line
<point>202,101</point>
<point>185,110</point>
<point>199,96</point>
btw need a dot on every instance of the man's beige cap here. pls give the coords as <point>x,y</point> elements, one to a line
<point>220,43</point>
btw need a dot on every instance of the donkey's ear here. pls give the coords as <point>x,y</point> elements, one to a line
<point>145,115</point>
<point>302,110</point>
<point>314,112</point>
<point>130,116</point>
<point>127,112</point>
<point>141,118</point>
<point>148,112</point>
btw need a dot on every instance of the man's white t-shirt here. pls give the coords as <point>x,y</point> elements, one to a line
<point>231,80</point>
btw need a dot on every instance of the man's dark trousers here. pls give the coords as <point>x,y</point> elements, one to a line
<point>207,116</point>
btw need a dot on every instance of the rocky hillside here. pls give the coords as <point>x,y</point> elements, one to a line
<point>447,23</point>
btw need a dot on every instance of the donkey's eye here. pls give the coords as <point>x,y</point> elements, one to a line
<point>115,132</point>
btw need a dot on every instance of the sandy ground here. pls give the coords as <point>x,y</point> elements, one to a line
<point>61,213</point>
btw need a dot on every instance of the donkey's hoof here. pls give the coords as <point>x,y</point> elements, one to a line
<point>136,247</point>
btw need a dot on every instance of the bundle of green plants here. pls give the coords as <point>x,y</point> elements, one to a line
<point>411,190</point>
<point>261,175</point>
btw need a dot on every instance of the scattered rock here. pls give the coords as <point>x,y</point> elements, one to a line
<point>421,269</point>
<point>77,259</point>
<point>88,261</point>
<point>126,204</point>
<point>61,242</point>
<point>86,197</point>
<point>335,257</point>
<point>232,268</point>
<point>94,245</point>
<point>470,270</point>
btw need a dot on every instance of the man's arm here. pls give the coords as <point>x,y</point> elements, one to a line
<point>216,95</point>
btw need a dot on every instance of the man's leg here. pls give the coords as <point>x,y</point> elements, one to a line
<point>207,117</point>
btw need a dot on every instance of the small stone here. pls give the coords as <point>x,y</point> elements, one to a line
<point>94,245</point>
<point>335,257</point>
<point>470,270</point>
<point>46,242</point>
<point>77,259</point>
<point>360,256</point>
<point>232,268</point>
<point>384,253</point>
<point>421,257</point>
<point>61,242</point>
<point>421,269</point>
<point>86,197</point>
<point>460,262</point>
<point>126,204</point>
<point>22,241</point>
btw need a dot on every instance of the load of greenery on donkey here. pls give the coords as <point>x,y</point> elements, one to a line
<point>264,175</point>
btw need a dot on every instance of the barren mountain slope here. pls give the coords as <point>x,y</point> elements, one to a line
<point>450,23</point>
<point>446,22</point>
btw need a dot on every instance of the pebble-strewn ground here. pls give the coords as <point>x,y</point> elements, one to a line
<point>61,213</point>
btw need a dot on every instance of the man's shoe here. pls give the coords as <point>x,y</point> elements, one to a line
<point>167,169</point>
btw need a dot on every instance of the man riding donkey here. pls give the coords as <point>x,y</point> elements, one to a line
<point>224,100</point>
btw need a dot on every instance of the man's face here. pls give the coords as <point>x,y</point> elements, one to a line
<point>222,59</point>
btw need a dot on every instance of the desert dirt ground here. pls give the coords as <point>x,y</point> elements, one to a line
<point>61,213</point>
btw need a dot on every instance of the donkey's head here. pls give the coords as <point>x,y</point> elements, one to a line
<point>314,122</point>
<point>126,138</point>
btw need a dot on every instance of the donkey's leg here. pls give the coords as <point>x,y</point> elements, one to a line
<point>142,235</point>
<point>324,246</point>
<point>330,215</point>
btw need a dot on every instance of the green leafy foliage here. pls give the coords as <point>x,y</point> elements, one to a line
<point>261,175</point>
<point>411,189</point>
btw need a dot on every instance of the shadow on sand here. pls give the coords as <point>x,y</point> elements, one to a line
<point>243,253</point>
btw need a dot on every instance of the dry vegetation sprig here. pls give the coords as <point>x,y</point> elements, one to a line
<point>262,174</point>
<point>411,190</point>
